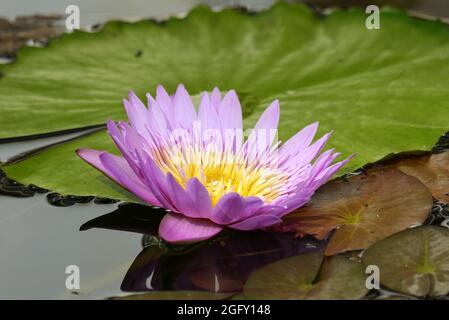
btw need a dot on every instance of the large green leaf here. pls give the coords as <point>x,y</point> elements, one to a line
<point>382,90</point>
<point>60,169</point>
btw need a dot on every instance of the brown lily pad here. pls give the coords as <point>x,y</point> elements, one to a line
<point>308,277</point>
<point>363,209</point>
<point>415,261</point>
<point>431,169</point>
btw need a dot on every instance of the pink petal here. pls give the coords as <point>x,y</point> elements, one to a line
<point>296,200</point>
<point>323,161</point>
<point>230,111</point>
<point>232,207</point>
<point>256,222</point>
<point>208,114</point>
<point>184,110</point>
<point>137,113</point>
<point>156,181</point>
<point>327,173</point>
<point>165,102</point>
<point>298,142</point>
<point>264,132</point>
<point>215,98</point>
<point>157,121</point>
<point>269,118</point>
<point>193,202</point>
<point>117,169</point>
<point>125,147</point>
<point>176,228</point>
<point>309,154</point>
<point>200,196</point>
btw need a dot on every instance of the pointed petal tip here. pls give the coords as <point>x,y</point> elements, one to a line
<point>216,93</point>
<point>230,94</point>
<point>194,181</point>
<point>181,88</point>
<point>91,156</point>
<point>350,157</point>
<point>86,153</point>
<point>205,97</point>
<point>327,136</point>
<point>111,127</point>
<point>161,92</point>
<point>81,151</point>
<point>274,107</point>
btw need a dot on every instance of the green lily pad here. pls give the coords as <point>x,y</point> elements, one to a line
<point>60,169</point>
<point>383,91</point>
<point>308,277</point>
<point>175,295</point>
<point>363,209</point>
<point>414,261</point>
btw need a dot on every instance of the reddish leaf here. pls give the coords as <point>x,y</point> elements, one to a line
<point>431,169</point>
<point>363,209</point>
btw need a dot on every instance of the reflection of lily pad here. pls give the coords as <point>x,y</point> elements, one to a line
<point>377,96</point>
<point>129,217</point>
<point>415,261</point>
<point>175,295</point>
<point>363,208</point>
<point>300,277</point>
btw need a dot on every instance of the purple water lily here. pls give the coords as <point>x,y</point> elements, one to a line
<point>199,166</point>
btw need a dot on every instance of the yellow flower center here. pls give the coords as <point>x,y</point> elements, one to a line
<point>222,172</point>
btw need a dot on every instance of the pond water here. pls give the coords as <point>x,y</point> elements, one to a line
<point>116,249</point>
<point>116,252</point>
<point>113,244</point>
<point>38,241</point>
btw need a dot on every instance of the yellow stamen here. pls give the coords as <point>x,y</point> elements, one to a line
<point>221,172</point>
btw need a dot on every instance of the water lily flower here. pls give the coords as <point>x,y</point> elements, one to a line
<point>198,165</point>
